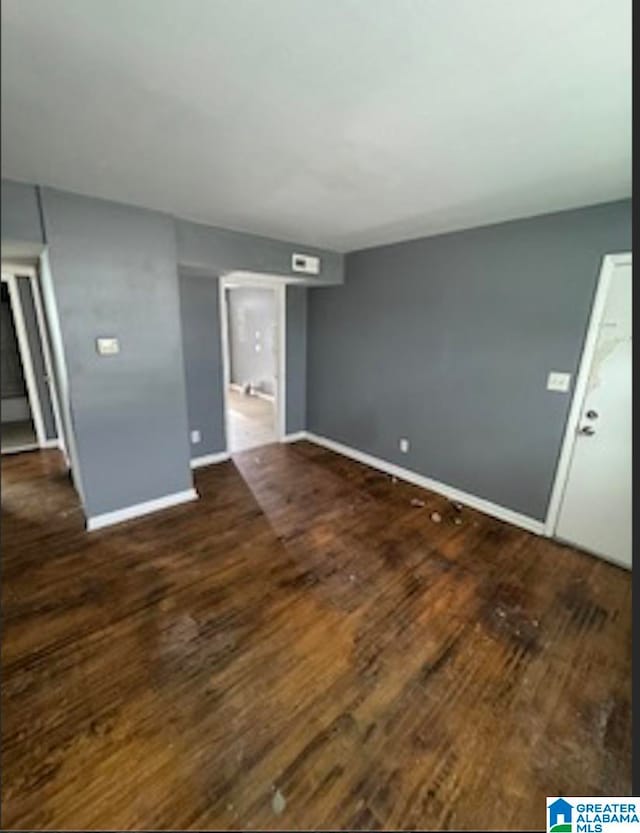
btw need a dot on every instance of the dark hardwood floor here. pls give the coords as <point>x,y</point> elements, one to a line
<point>301,648</point>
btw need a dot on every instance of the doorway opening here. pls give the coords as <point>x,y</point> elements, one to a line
<point>253,327</point>
<point>18,428</point>
<point>30,413</point>
<point>591,504</point>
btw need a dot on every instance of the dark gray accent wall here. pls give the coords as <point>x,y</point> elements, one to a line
<point>113,269</point>
<point>37,356</point>
<point>252,328</point>
<point>200,324</point>
<point>448,341</point>
<point>221,250</point>
<point>296,358</point>
<point>20,216</point>
<point>12,381</point>
<point>202,349</point>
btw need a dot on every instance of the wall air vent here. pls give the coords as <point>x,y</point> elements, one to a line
<point>308,264</point>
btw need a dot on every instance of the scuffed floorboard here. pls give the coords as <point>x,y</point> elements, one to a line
<point>303,647</point>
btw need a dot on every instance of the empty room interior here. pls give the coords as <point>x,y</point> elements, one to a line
<point>316,413</point>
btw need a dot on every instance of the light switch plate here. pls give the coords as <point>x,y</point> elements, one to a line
<point>558,381</point>
<point>107,346</point>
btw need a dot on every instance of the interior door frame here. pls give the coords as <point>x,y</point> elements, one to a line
<point>278,286</point>
<point>610,263</point>
<point>10,278</point>
<point>15,271</point>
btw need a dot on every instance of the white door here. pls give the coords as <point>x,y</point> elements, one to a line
<point>595,512</point>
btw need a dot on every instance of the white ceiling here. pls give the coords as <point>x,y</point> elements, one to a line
<point>340,123</point>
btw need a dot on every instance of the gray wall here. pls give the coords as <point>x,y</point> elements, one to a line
<point>37,356</point>
<point>114,274</point>
<point>296,358</point>
<point>111,269</point>
<point>12,382</point>
<point>448,341</point>
<point>20,217</point>
<point>202,349</point>
<point>252,324</point>
<point>220,250</point>
<point>200,323</point>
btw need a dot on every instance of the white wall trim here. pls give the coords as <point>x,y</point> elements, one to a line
<point>48,364</point>
<point>31,272</point>
<point>209,459</point>
<point>609,264</point>
<point>25,353</point>
<point>269,397</point>
<point>139,509</point>
<point>259,393</point>
<point>281,381</point>
<point>226,361</point>
<point>280,397</point>
<point>18,449</point>
<point>482,505</point>
<point>53,443</point>
<point>294,438</point>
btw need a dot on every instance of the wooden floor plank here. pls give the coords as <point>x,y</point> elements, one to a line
<point>303,647</point>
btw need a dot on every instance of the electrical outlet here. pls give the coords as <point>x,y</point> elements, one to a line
<point>404,445</point>
<point>195,436</point>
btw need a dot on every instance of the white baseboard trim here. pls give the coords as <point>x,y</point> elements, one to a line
<point>209,459</point>
<point>18,449</point>
<point>138,509</point>
<point>270,397</point>
<point>482,505</point>
<point>55,443</point>
<point>294,438</point>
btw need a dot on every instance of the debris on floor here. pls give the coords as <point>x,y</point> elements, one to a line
<point>457,506</point>
<point>394,479</point>
<point>457,521</point>
<point>278,803</point>
<point>415,501</point>
<point>436,517</point>
<point>352,577</point>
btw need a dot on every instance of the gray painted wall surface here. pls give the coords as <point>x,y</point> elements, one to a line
<point>200,321</point>
<point>37,357</point>
<point>448,341</point>
<point>252,324</point>
<point>202,349</point>
<point>220,251</point>
<point>20,217</point>
<point>296,357</point>
<point>114,274</point>
<point>12,382</point>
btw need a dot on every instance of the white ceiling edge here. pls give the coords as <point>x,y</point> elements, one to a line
<point>368,240</point>
<point>389,120</point>
<point>378,241</point>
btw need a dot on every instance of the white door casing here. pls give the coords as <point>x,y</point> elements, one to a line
<point>593,492</point>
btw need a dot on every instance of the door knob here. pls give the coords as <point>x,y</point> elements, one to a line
<point>587,431</point>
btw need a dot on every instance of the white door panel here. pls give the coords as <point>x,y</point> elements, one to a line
<point>595,512</point>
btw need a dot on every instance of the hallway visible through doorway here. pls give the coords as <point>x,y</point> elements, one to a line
<point>250,420</point>
<point>253,320</point>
